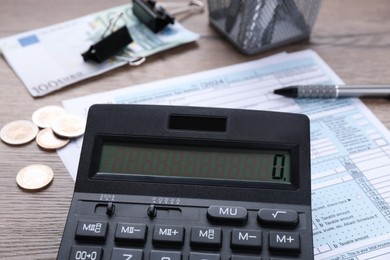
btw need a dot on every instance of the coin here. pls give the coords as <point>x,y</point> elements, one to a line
<point>34,177</point>
<point>44,116</point>
<point>18,132</point>
<point>69,126</point>
<point>46,139</point>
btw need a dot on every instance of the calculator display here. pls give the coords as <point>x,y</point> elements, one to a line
<point>196,162</point>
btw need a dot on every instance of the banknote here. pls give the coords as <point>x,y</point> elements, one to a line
<point>48,59</point>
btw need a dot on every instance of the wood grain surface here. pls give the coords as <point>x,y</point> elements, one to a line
<point>352,36</point>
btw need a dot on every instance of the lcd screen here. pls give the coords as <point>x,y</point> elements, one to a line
<point>196,162</point>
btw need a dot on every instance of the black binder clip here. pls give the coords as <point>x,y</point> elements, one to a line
<point>153,16</point>
<point>110,45</point>
<point>156,18</point>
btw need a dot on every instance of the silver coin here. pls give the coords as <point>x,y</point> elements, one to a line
<point>46,139</point>
<point>19,132</point>
<point>69,126</point>
<point>34,177</point>
<point>45,116</point>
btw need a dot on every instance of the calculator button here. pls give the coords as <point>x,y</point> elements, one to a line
<point>86,253</point>
<point>91,230</point>
<point>168,234</point>
<point>202,256</point>
<point>284,241</point>
<point>240,257</point>
<point>250,239</point>
<point>165,255</point>
<point>278,217</point>
<point>130,232</point>
<point>227,214</point>
<point>124,254</point>
<point>206,236</point>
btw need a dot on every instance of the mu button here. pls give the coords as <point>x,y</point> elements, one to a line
<point>227,214</point>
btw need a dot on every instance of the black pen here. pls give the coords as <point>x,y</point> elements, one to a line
<point>334,91</point>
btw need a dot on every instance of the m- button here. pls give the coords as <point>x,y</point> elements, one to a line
<point>227,214</point>
<point>250,239</point>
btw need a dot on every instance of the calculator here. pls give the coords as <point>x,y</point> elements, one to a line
<point>191,183</point>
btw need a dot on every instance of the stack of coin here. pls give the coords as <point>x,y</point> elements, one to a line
<point>57,127</point>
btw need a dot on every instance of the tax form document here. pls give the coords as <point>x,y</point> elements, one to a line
<point>48,59</point>
<point>350,148</point>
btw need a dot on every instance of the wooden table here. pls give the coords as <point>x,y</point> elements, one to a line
<point>352,36</point>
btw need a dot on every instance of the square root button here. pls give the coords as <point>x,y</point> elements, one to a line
<point>279,217</point>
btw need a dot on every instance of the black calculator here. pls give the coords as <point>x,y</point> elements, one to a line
<point>191,183</point>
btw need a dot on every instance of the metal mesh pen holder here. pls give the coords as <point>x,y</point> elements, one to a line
<point>253,26</point>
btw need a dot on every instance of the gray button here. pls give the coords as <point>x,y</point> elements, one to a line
<point>284,241</point>
<point>202,256</point>
<point>124,254</point>
<point>130,232</point>
<point>91,230</point>
<point>86,252</point>
<point>168,234</point>
<point>240,257</point>
<point>227,214</point>
<point>165,255</point>
<point>206,236</point>
<point>250,239</point>
<point>278,217</point>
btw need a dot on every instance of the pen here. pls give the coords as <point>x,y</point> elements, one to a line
<point>334,91</point>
